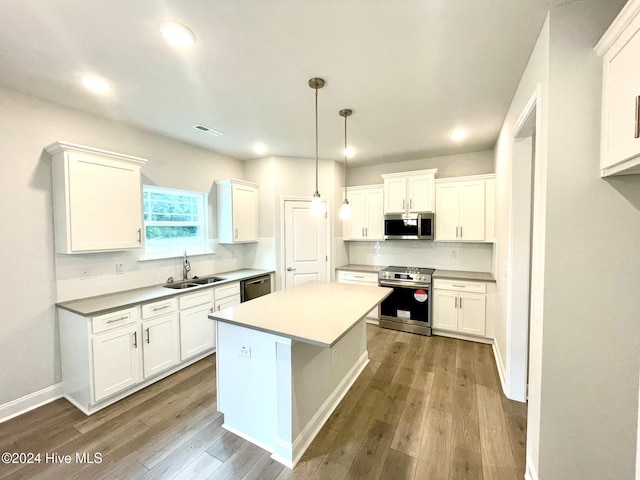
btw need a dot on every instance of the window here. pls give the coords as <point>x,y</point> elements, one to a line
<point>174,221</point>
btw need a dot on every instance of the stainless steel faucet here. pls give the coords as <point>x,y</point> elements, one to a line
<point>186,267</point>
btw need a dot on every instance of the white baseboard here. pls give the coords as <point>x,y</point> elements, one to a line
<point>313,427</point>
<point>461,336</point>
<point>530,472</point>
<point>501,373</point>
<point>248,438</point>
<point>29,402</point>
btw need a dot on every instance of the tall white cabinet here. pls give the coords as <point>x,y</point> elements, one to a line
<point>237,211</point>
<point>465,209</point>
<point>409,192</point>
<point>97,198</point>
<point>367,214</point>
<point>619,48</point>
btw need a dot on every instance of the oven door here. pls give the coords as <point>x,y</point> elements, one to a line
<point>410,304</point>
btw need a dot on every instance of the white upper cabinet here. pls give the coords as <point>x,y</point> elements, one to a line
<point>97,197</point>
<point>367,216</point>
<point>620,51</point>
<point>407,192</point>
<point>465,209</point>
<point>237,211</point>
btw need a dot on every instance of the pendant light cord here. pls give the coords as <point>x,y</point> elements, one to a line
<point>346,171</point>
<point>316,140</point>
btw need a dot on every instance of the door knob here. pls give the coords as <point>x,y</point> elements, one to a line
<point>289,269</point>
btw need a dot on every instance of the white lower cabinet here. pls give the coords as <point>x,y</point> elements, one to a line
<point>116,361</point>
<point>197,332</point>
<point>160,345</point>
<point>107,357</point>
<point>460,306</point>
<point>361,278</point>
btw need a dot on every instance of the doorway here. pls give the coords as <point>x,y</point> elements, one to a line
<point>306,252</point>
<point>523,190</point>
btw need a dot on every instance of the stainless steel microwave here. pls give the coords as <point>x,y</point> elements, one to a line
<point>412,226</point>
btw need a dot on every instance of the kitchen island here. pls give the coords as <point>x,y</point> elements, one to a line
<point>285,360</point>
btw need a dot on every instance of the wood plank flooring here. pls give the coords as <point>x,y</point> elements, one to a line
<point>424,408</point>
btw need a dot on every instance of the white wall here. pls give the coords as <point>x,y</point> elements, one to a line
<point>591,336</point>
<point>29,349</point>
<point>474,163</point>
<point>583,398</point>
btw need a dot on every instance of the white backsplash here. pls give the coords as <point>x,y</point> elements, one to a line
<point>102,277</point>
<point>472,257</point>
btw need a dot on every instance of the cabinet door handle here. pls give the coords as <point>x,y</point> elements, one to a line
<point>460,232</point>
<point>366,231</point>
<point>139,235</point>
<point>459,286</point>
<point>637,133</point>
<point>460,302</point>
<point>455,304</point>
<point>124,317</point>
<point>148,336</point>
<point>161,308</point>
<point>363,231</point>
<point>135,339</point>
<point>457,231</point>
<point>218,307</point>
<point>235,234</point>
<point>211,310</point>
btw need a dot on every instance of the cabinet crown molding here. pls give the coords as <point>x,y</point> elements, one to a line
<point>62,146</point>
<point>412,172</point>
<point>626,16</point>
<point>488,176</point>
<point>227,181</point>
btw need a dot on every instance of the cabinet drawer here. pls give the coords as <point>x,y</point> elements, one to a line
<point>362,277</point>
<point>108,321</point>
<point>195,299</point>
<point>227,290</point>
<point>155,309</point>
<point>460,285</point>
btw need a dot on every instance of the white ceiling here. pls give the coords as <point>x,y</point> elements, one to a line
<point>411,70</point>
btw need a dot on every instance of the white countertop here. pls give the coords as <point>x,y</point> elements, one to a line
<point>352,267</point>
<point>100,304</point>
<point>319,313</point>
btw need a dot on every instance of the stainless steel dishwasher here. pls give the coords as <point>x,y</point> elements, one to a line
<point>255,287</point>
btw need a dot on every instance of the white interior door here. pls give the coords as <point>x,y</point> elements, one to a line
<point>306,249</point>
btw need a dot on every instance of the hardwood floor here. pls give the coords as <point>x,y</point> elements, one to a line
<point>424,408</point>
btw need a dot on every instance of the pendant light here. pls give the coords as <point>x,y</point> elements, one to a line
<point>317,208</point>
<point>345,211</point>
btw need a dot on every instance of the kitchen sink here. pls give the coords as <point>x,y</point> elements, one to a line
<point>180,286</point>
<point>194,282</point>
<point>205,281</point>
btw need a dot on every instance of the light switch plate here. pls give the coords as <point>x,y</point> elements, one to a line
<point>245,352</point>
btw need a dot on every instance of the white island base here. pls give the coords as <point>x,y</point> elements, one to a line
<point>280,394</point>
<point>280,376</point>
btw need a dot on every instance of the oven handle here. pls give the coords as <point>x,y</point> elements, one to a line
<point>403,285</point>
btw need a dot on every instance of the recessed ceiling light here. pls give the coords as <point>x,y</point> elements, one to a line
<point>177,34</point>
<point>458,134</point>
<point>260,149</point>
<point>96,84</point>
<point>350,152</point>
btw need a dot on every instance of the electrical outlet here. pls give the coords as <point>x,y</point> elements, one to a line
<point>119,268</point>
<point>218,257</point>
<point>85,273</point>
<point>233,254</point>
<point>245,352</point>
<point>334,356</point>
<point>454,254</point>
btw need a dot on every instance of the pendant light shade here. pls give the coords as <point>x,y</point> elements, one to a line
<point>317,208</point>
<point>345,210</point>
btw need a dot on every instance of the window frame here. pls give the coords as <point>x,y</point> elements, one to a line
<point>203,211</point>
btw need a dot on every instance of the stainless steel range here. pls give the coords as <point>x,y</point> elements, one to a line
<point>408,308</point>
